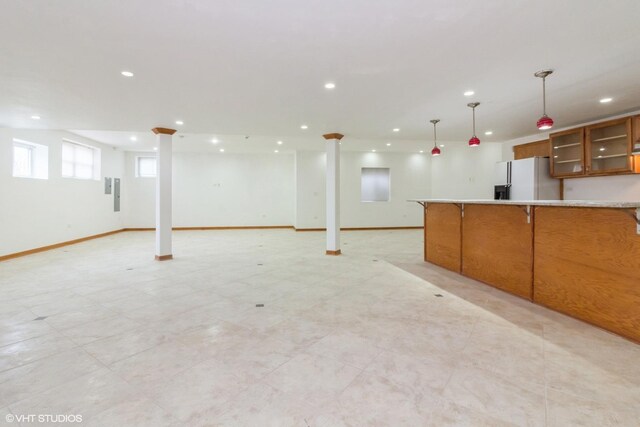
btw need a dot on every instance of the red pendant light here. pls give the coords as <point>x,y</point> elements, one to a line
<point>474,141</point>
<point>436,151</point>
<point>545,122</point>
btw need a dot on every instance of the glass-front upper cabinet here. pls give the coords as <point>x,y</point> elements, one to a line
<point>567,153</point>
<point>608,147</point>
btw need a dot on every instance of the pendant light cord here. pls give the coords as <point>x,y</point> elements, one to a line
<point>474,121</point>
<point>434,135</point>
<point>544,96</point>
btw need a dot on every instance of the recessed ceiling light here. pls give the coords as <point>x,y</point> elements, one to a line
<point>222,150</point>
<point>606,100</point>
<point>279,142</point>
<point>469,93</point>
<point>441,145</point>
<point>179,122</point>
<point>155,148</point>
<point>214,141</point>
<point>304,127</point>
<point>329,85</point>
<point>35,117</point>
<point>421,151</point>
<point>275,151</point>
<point>127,73</point>
<point>489,132</point>
<point>373,151</point>
<point>396,130</point>
<point>388,144</point>
<point>134,138</point>
<point>602,148</point>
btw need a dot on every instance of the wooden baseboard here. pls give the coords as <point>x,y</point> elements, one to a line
<point>163,257</point>
<point>248,227</point>
<point>417,227</point>
<point>338,252</point>
<point>57,245</point>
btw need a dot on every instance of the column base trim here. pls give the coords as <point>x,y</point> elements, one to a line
<point>163,257</point>
<point>338,252</point>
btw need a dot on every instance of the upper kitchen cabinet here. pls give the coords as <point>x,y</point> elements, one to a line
<point>567,153</point>
<point>608,147</point>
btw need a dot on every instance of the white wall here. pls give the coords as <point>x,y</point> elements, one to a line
<point>212,190</point>
<point>36,212</point>
<point>463,172</point>
<point>617,187</point>
<point>410,178</point>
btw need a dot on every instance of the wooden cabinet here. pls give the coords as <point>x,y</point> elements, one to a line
<point>608,147</point>
<point>532,149</point>
<point>636,141</point>
<point>567,153</point>
<point>595,150</point>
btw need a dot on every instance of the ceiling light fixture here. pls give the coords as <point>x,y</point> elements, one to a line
<point>435,151</point>
<point>605,100</point>
<point>469,93</point>
<point>373,151</point>
<point>489,132</point>
<point>388,144</point>
<point>545,122</point>
<point>134,138</point>
<point>396,130</point>
<point>304,127</point>
<point>127,73</point>
<point>155,148</point>
<point>421,151</point>
<point>279,142</point>
<point>214,141</point>
<point>474,141</point>
<point>179,122</point>
<point>275,151</point>
<point>222,150</point>
<point>35,117</point>
<point>329,85</point>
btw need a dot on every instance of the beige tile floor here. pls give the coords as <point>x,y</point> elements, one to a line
<point>356,340</point>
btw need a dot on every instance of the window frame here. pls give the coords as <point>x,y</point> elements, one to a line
<point>137,166</point>
<point>95,161</point>
<point>31,149</point>
<point>362,184</point>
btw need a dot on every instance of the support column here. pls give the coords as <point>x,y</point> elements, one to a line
<point>163,193</point>
<point>333,193</point>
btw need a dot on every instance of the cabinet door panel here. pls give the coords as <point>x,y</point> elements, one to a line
<point>608,147</point>
<point>567,153</point>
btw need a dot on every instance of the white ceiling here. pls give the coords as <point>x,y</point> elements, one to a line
<point>258,67</point>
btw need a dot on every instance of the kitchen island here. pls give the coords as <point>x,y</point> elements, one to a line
<point>581,258</point>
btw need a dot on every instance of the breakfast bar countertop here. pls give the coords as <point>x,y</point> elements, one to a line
<point>556,203</point>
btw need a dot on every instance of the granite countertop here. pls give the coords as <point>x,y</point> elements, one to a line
<point>558,203</point>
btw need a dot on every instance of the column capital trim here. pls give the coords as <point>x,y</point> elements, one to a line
<point>165,131</point>
<point>337,136</point>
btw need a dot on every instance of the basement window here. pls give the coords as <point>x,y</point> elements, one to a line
<point>375,184</point>
<point>30,160</point>
<point>80,161</point>
<point>146,167</point>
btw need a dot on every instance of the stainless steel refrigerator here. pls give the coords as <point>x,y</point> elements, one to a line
<point>525,179</point>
